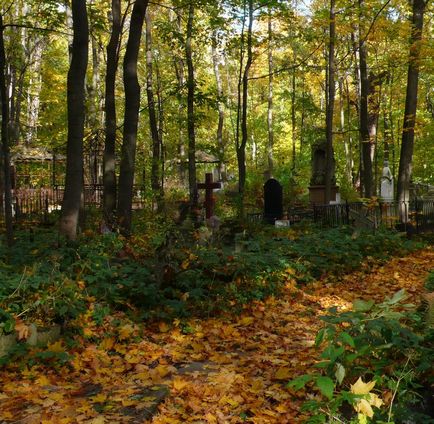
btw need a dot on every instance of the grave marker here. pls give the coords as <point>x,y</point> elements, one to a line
<point>273,201</point>
<point>209,186</point>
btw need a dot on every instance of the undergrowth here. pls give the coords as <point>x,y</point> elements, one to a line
<point>166,272</point>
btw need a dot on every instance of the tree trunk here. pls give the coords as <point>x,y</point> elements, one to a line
<point>191,86</point>
<point>155,168</point>
<point>293,120</point>
<point>109,177</point>
<point>74,149</point>
<point>160,108</point>
<point>347,150</point>
<point>5,140</point>
<point>34,91</point>
<point>221,112</point>
<point>180,75</point>
<point>241,151</point>
<point>406,158</point>
<point>270,94</point>
<point>131,117</point>
<point>330,106</point>
<point>367,142</point>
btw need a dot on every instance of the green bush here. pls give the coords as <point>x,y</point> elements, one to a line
<point>378,344</point>
<point>166,272</point>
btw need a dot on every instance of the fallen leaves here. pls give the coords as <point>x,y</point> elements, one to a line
<point>223,370</point>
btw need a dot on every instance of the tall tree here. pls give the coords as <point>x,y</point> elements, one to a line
<point>191,85</point>
<point>5,139</point>
<point>131,116</point>
<point>220,107</point>
<point>153,124</point>
<point>270,94</point>
<point>74,149</point>
<point>241,148</point>
<point>407,145</point>
<point>330,104</point>
<point>109,175</point>
<point>367,142</point>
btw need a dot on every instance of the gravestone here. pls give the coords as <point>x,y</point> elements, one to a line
<point>318,179</point>
<point>273,201</point>
<point>386,188</point>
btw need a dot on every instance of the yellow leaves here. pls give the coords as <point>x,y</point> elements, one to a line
<point>56,347</point>
<point>23,330</point>
<point>98,420</point>
<point>88,332</point>
<point>125,332</point>
<point>230,401</point>
<point>107,344</point>
<point>246,320</point>
<point>163,327</point>
<point>99,398</point>
<point>364,406</point>
<point>361,388</point>
<point>163,370</point>
<point>283,373</point>
<point>225,366</point>
<point>179,383</point>
<point>210,418</point>
<point>42,380</point>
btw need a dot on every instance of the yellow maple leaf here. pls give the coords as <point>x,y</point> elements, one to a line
<point>179,383</point>
<point>87,332</point>
<point>283,373</point>
<point>361,388</point>
<point>43,381</point>
<point>97,420</point>
<point>100,398</point>
<point>246,320</point>
<point>211,418</point>
<point>163,370</point>
<point>126,331</point>
<point>56,347</point>
<point>108,343</point>
<point>363,407</point>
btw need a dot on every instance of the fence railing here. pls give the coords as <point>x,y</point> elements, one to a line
<point>415,216</point>
<point>39,203</point>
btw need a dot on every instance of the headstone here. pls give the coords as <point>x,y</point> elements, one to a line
<point>386,188</point>
<point>273,201</point>
<point>318,179</point>
<point>209,186</point>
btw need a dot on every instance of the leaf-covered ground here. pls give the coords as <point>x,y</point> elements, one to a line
<point>228,369</point>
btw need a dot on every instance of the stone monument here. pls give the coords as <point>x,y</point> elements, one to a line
<point>317,182</point>
<point>386,187</point>
<point>273,201</point>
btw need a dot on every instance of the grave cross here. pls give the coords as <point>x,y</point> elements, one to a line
<point>209,186</point>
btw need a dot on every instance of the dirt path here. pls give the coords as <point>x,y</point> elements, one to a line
<point>218,370</point>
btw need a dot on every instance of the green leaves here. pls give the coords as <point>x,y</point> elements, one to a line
<point>340,373</point>
<point>326,386</point>
<point>362,305</point>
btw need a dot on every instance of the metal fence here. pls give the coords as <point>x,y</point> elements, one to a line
<point>416,216</point>
<point>40,203</point>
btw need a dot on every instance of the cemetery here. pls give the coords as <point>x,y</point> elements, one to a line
<point>216,212</point>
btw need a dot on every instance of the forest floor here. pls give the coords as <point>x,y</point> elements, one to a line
<point>226,369</point>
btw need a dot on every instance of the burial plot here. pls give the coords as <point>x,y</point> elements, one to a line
<point>273,201</point>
